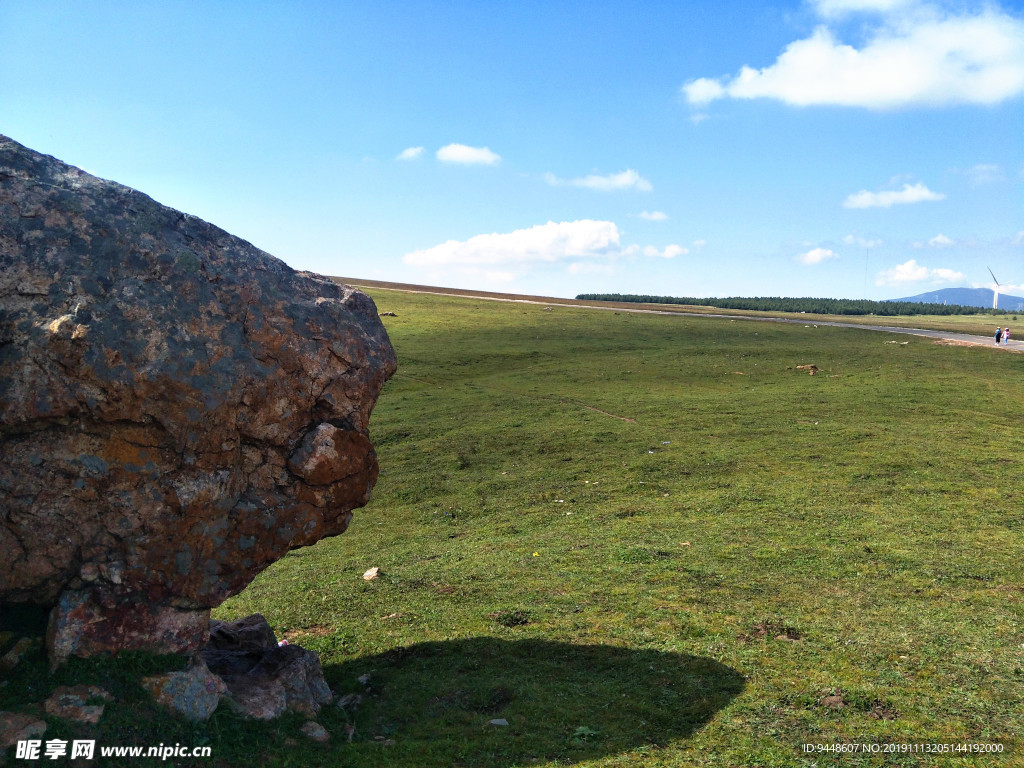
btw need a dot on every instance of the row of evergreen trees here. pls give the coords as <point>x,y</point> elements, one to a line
<point>816,306</point>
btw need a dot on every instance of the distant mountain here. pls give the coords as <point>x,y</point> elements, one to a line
<point>968,297</point>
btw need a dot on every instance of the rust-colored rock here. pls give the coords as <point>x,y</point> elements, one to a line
<point>71,703</point>
<point>178,409</point>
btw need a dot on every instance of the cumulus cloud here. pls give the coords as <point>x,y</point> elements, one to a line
<point>591,247</point>
<point>466,155</point>
<point>915,193</point>
<point>545,242</point>
<point>816,256</point>
<point>411,153</point>
<point>653,215</point>
<point>912,272</point>
<point>628,179</point>
<point>915,56</point>
<point>941,241</point>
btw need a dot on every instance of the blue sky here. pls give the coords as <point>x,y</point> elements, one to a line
<point>845,148</point>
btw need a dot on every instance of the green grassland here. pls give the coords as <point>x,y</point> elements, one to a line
<point>650,540</point>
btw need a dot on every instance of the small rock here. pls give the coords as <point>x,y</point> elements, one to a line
<point>69,703</point>
<point>236,646</point>
<point>349,701</point>
<point>498,721</point>
<point>15,727</point>
<point>300,675</point>
<point>13,657</point>
<point>265,678</point>
<point>364,679</point>
<point>372,573</point>
<point>193,693</point>
<point>257,699</point>
<point>316,732</point>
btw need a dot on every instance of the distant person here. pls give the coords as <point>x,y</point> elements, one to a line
<point>1006,337</point>
<point>999,335</point>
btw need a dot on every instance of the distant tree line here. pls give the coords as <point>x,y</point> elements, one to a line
<point>815,306</point>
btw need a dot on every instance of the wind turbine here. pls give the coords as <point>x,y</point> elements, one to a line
<point>995,291</point>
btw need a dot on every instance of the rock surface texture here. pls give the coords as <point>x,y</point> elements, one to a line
<point>178,409</point>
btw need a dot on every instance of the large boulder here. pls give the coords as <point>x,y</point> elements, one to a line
<point>178,409</point>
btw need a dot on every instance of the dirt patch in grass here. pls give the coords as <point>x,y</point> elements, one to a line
<point>881,712</point>
<point>772,629</point>
<point>316,630</point>
<point>832,700</point>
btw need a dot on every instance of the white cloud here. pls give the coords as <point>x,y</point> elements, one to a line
<point>653,215</point>
<point>412,153</point>
<point>916,56</point>
<point>704,90</point>
<point>670,252</point>
<point>912,272</point>
<point>628,179</point>
<point>591,247</point>
<point>941,241</point>
<point>465,155</point>
<point>816,256</point>
<point>545,242</point>
<point>698,244</point>
<point>984,173</point>
<point>908,194</point>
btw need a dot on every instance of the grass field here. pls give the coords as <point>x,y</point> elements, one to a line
<point>982,324</point>
<point>653,541</point>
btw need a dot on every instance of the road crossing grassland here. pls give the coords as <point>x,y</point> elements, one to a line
<point>846,545</point>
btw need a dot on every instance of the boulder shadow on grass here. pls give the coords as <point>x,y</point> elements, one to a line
<point>432,703</point>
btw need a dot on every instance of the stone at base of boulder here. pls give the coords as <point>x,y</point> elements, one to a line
<point>68,702</point>
<point>13,657</point>
<point>256,699</point>
<point>193,693</point>
<point>315,731</point>
<point>84,623</point>
<point>265,679</point>
<point>236,646</point>
<point>15,727</point>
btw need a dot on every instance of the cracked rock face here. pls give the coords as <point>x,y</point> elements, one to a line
<point>178,409</point>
